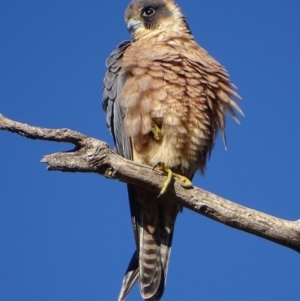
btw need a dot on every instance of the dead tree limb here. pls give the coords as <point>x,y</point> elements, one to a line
<point>93,155</point>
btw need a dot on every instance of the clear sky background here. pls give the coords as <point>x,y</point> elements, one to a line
<point>68,236</point>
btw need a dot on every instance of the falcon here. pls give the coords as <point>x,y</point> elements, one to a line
<point>166,99</point>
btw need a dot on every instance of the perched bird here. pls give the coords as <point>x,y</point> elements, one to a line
<point>165,100</point>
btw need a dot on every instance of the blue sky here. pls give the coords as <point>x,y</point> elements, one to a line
<point>68,236</point>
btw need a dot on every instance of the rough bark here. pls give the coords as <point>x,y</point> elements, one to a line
<point>93,155</point>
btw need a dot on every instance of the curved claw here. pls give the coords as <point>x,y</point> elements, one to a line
<point>186,182</point>
<point>170,174</point>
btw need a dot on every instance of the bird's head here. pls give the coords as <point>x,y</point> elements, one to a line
<point>144,17</point>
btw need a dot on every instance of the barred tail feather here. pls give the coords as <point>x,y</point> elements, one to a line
<point>149,258</point>
<point>153,225</point>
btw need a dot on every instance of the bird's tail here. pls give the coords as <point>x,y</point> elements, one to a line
<point>153,226</point>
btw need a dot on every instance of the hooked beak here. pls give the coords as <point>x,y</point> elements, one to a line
<point>133,25</point>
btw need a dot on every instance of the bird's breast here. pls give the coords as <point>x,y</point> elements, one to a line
<point>186,94</point>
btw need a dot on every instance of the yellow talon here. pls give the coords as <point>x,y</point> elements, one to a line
<point>156,131</point>
<point>186,182</point>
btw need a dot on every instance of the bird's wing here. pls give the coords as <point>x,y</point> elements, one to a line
<point>113,84</point>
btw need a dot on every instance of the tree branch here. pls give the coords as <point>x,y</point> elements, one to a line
<point>93,155</point>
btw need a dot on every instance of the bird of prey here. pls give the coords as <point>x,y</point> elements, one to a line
<point>165,98</point>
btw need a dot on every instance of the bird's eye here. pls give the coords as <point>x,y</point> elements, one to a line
<point>148,11</point>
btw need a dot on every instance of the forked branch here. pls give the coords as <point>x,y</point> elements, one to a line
<point>93,155</point>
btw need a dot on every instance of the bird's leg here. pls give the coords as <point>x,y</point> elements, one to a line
<point>156,131</point>
<point>186,182</point>
<point>161,166</point>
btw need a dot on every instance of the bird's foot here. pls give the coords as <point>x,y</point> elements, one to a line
<point>156,131</point>
<point>170,174</point>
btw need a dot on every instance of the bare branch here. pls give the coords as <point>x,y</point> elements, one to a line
<point>92,155</point>
<point>34,132</point>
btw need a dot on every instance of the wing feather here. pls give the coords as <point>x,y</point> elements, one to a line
<point>113,83</point>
